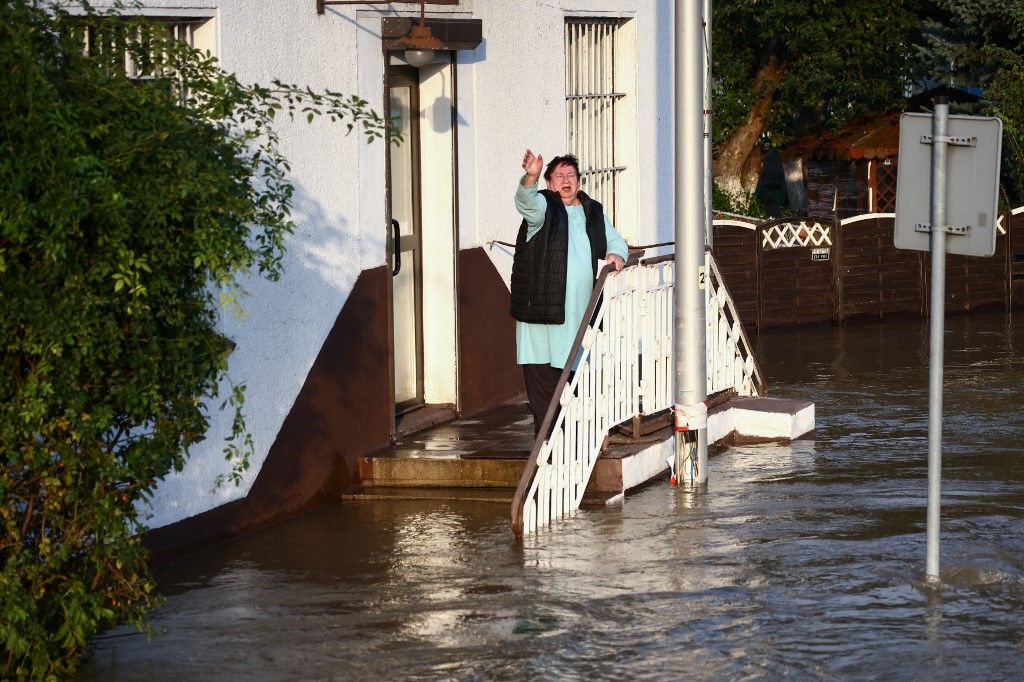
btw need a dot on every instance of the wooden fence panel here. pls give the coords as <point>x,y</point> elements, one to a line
<point>1015,257</point>
<point>877,278</point>
<point>736,255</point>
<point>775,284</point>
<point>793,289</point>
<point>972,282</point>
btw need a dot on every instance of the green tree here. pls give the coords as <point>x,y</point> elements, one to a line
<point>126,206</point>
<point>788,67</point>
<point>980,44</point>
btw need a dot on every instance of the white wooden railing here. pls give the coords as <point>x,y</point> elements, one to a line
<point>624,368</point>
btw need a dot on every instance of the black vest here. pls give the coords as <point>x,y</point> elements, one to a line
<point>540,264</point>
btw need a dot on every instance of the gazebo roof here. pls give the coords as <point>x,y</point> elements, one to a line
<point>872,137</point>
<point>876,136</point>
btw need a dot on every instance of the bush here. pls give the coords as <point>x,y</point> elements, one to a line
<point>125,207</point>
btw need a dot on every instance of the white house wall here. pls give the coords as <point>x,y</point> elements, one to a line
<point>518,101</point>
<point>286,322</point>
<point>510,94</point>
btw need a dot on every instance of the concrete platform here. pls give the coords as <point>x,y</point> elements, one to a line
<point>464,457</point>
<point>760,420</point>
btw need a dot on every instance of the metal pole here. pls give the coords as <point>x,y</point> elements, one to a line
<point>689,309</point>
<point>936,320</point>
<point>709,228</point>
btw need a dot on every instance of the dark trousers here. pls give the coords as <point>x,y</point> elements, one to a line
<point>541,382</point>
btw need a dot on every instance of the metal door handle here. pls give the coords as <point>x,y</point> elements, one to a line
<point>396,248</point>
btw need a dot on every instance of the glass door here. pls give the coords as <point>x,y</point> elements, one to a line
<point>406,265</point>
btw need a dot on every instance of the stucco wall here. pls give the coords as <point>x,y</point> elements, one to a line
<point>510,95</point>
<point>285,323</point>
<point>517,86</point>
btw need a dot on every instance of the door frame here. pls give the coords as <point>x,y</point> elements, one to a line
<point>405,75</point>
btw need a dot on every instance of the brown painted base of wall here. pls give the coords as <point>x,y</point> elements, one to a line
<point>488,373</point>
<point>345,411</point>
<point>342,412</point>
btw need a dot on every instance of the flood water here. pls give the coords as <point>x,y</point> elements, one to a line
<point>804,559</point>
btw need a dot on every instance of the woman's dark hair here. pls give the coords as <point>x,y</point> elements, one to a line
<point>567,160</point>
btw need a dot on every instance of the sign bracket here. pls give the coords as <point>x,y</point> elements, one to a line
<point>948,229</point>
<point>952,140</point>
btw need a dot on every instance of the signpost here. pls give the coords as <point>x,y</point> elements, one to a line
<point>960,155</point>
<point>690,309</point>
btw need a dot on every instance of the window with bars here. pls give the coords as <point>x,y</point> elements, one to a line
<point>597,85</point>
<point>195,32</point>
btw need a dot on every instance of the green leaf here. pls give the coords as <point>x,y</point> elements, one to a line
<point>105,180</point>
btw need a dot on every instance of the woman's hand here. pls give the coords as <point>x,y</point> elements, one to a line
<point>533,166</point>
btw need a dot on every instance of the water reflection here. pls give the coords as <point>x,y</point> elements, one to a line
<point>804,559</point>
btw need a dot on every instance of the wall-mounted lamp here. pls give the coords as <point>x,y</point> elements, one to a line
<point>419,45</point>
<point>421,41</point>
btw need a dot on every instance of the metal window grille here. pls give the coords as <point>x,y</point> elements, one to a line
<point>590,101</point>
<point>113,39</point>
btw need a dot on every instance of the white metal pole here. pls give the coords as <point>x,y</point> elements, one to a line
<point>936,324</point>
<point>709,229</point>
<point>689,312</point>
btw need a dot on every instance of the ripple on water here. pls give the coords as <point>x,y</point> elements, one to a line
<point>803,560</point>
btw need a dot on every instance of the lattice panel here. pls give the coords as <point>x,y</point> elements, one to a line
<point>885,187</point>
<point>786,235</point>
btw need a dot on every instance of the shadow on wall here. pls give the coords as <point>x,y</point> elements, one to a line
<point>274,347</point>
<point>443,111</point>
<point>323,333</point>
<point>309,351</point>
<point>476,55</point>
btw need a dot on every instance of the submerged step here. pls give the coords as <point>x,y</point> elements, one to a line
<point>502,496</point>
<point>440,472</point>
<point>499,495</point>
<point>623,465</point>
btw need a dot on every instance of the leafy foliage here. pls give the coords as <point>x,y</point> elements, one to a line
<point>980,44</point>
<point>838,60</point>
<point>745,206</point>
<point>125,207</point>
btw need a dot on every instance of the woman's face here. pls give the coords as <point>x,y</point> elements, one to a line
<point>565,181</point>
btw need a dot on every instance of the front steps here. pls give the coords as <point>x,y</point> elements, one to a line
<point>482,458</point>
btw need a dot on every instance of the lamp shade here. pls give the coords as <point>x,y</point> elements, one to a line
<point>419,58</point>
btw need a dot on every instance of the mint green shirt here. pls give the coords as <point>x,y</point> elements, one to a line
<point>549,344</point>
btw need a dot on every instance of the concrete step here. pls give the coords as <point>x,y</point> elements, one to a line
<point>447,459</point>
<point>618,468</point>
<point>747,420</point>
<point>501,496</point>
<point>498,495</point>
<point>440,472</point>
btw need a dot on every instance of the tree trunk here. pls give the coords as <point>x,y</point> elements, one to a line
<point>737,168</point>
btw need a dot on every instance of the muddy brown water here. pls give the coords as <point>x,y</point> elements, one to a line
<point>804,560</point>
